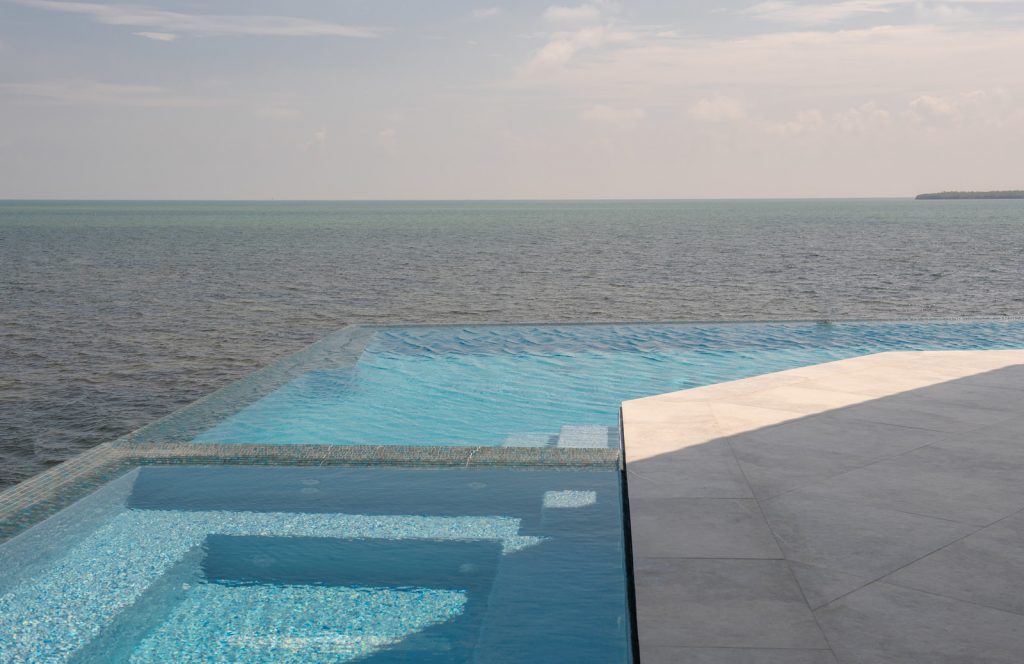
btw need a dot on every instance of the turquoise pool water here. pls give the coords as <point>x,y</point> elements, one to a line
<point>543,385</point>
<point>286,564</point>
<point>318,564</point>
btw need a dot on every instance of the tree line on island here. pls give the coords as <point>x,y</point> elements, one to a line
<point>947,195</point>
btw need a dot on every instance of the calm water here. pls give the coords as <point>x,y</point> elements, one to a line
<point>114,314</point>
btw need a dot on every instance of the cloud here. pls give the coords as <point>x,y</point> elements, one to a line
<point>797,13</point>
<point>717,108</point>
<point>138,16</point>
<point>588,12</point>
<point>577,13</point>
<point>785,11</point>
<point>487,12</point>
<point>78,92</point>
<point>563,46</point>
<point>157,36</point>
<point>387,137</point>
<point>934,106</point>
<point>610,115</point>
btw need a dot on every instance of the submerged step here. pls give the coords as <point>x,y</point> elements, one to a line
<point>588,436</point>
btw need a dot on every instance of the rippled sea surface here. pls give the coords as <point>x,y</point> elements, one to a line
<point>114,314</point>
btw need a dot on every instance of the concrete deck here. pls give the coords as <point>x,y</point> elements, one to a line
<point>862,511</point>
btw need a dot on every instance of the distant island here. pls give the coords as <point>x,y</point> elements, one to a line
<point>949,195</point>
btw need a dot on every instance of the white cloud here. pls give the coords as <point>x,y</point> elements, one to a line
<point>158,36</point>
<point>593,11</point>
<point>78,92</point>
<point>563,46</point>
<point>610,115</point>
<point>717,108</point>
<point>785,11</point>
<point>993,107</point>
<point>934,106</point>
<point>487,12</point>
<point>577,13</point>
<point>201,24</point>
<point>387,137</point>
<point>798,13</point>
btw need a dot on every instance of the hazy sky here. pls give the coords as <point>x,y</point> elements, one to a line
<point>427,99</point>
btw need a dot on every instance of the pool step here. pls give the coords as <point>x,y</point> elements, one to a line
<point>530,440</point>
<point>587,436</point>
<point>581,436</point>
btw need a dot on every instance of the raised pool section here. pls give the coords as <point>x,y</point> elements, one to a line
<point>393,494</point>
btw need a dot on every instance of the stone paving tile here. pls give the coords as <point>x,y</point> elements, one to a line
<point>722,603</point>
<point>700,528</point>
<point>708,470</point>
<point>816,528</point>
<point>822,586</point>
<point>885,624</point>
<point>953,484</point>
<point>677,655</point>
<point>986,568</point>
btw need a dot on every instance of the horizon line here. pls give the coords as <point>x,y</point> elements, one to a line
<point>450,200</point>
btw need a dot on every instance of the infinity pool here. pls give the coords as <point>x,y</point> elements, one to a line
<point>298,561</point>
<point>523,386</point>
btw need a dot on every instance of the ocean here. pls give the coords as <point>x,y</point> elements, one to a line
<point>113,314</point>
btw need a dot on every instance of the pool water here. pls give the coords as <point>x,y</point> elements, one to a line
<point>536,386</point>
<point>287,564</point>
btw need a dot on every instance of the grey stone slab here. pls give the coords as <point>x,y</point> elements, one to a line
<point>722,603</point>
<point>700,528</point>
<point>701,471</point>
<point>816,528</point>
<point>885,624</point>
<point>794,454</point>
<point>962,485</point>
<point>965,393</point>
<point>923,414</point>
<point>677,655</point>
<point>1008,378</point>
<point>827,432</point>
<point>986,568</point>
<point>699,480</point>
<point>774,468</point>
<point>1002,444</point>
<point>822,586</point>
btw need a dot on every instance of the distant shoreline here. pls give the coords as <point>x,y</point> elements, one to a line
<point>952,195</point>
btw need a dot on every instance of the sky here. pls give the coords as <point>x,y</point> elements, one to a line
<point>444,99</point>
